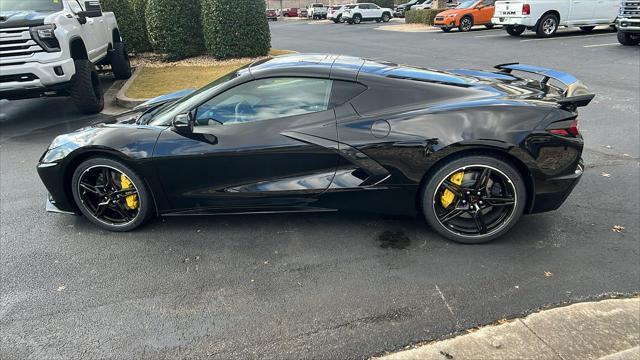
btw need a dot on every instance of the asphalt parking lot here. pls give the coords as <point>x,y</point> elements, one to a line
<point>334,285</point>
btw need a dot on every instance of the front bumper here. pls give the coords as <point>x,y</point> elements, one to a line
<point>550,194</point>
<point>52,208</point>
<point>45,74</point>
<point>52,176</point>
<point>628,24</point>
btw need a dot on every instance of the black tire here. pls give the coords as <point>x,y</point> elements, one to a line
<point>350,22</point>
<point>515,30</point>
<point>85,88</point>
<point>120,64</point>
<point>340,19</point>
<point>145,202</point>
<point>587,28</point>
<point>627,39</point>
<point>386,17</point>
<point>357,19</point>
<point>378,20</point>
<point>429,196</point>
<point>489,26</point>
<point>335,21</point>
<point>445,29</point>
<point>466,23</point>
<point>547,26</point>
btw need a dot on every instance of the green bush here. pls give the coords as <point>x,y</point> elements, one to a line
<point>235,28</point>
<point>174,27</point>
<point>131,22</point>
<point>425,16</point>
<point>382,3</point>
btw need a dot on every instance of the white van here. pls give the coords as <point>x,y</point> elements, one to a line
<point>545,16</point>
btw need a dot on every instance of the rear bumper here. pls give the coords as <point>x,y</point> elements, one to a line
<point>550,194</point>
<point>524,21</point>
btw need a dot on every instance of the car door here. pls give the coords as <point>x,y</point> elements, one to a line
<point>374,12</point>
<point>484,15</point>
<point>92,34</point>
<point>606,11</point>
<point>581,12</point>
<point>260,144</point>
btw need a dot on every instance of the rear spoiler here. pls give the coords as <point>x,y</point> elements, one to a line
<point>576,93</point>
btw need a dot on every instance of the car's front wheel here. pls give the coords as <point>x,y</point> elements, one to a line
<point>111,195</point>
<point>85,88</point>
<point>386,17</point>
<point>627,39</point>
<point>357,19</point>
<point>466,23</point>
<point>474,199</point>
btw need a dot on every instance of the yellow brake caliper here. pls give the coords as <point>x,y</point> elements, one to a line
<point>447,196</point>
<point>132,200</point>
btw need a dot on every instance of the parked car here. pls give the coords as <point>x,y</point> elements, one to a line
<point>51,48</point>
<point>290,12</point>
<point>335,13</point>
<point>401,9</point>
<point>546,16</point>
<point>628,22</point>
<point>303,13</point>
<point>356,13</point>
<point>467,14</point>
<point>271,14</point>
<point>317,11</point>
<point>406,140</point>
<point>425,5</point>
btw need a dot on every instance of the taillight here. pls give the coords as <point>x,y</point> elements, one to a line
<point>569,128</point>
<point>526,9</point>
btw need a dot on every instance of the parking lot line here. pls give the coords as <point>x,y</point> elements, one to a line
<point>493,35</point>
<point>567,37</point>
<point>596,45</point>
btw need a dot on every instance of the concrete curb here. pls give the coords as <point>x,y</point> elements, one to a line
<point>121,98</point>
<point>606,329</point>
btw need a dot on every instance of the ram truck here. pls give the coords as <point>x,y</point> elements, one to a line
<point>52,48</point>
<point>317,11</point>
<point>628,22</point>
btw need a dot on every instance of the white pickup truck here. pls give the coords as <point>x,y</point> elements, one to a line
<point>546,16</point>
<point>317,11</point>
<point>52,47</point>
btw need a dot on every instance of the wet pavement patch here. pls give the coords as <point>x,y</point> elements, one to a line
<point>394,240</point>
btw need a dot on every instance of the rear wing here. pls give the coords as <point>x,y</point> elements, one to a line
<point>576,93</point>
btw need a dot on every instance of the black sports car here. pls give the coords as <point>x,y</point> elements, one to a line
<point>470,150</point>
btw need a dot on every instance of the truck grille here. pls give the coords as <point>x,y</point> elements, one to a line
<point>630,9</point>
<point>17,43</point>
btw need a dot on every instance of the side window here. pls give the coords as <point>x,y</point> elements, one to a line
<point>75,6</point>
<point>265,99</point>
<point>488,2</point>
<point>374,6</point>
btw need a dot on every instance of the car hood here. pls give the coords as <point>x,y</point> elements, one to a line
<point>10,19</point>
<point>453,11</point>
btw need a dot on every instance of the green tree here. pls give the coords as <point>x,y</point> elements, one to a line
<point>235,28</point>
<point>174,27</point>
<point>131,22</point>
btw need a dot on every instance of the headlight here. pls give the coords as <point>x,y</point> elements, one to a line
<point>453,15</point>
<point>45,36</point>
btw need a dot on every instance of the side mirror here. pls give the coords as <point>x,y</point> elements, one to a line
<point>183,123</point>
<point>82,19</point>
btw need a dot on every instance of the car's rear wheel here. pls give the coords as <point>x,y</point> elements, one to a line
<point>340,19</point>
<point>466,23</point>
<point>547,26</point>
<point>474,199</point>
<point>86,89</point>
<point>386,17</point>
<point>357,19</point>
<point>587,28</point>
<point>120,64</point>
<point>515,30</point>
<point>111,195</point>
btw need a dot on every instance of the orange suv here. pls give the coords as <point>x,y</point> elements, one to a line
<point>466,15</point>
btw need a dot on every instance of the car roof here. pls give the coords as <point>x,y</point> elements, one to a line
<point>344,67</point>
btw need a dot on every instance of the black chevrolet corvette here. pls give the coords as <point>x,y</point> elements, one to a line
<point>470,150</point>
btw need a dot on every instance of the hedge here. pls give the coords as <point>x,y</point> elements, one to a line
<point>425,16</point>
<point>235,28</point>
<point>382,3</point>
<point>131,22</point>
<point>174,27</point>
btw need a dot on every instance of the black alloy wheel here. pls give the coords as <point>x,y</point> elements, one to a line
<point>110,195</point>
<point>474,200</point>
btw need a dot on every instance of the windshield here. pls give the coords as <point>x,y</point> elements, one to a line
<point>165,114</point>
<point>466,4</point>
<point>30,5</point>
